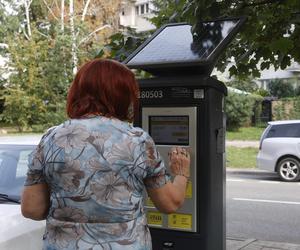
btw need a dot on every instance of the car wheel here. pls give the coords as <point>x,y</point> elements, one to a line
<point>289,169</point>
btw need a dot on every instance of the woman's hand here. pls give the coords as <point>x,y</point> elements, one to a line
<point>179,161</point>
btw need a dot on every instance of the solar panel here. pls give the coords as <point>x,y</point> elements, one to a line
<point>177,44</point>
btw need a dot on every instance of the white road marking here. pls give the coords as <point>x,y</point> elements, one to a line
<point>259,181</point>
<point>268,201</point>
<point>236,180</point>
<point>272,182</point>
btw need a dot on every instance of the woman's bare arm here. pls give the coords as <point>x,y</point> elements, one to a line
<point>170,197</point>
<point>35,201</point>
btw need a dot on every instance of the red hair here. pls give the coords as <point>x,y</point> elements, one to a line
<point>105,87</point>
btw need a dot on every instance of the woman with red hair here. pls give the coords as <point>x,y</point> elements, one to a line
<point>87,176</point>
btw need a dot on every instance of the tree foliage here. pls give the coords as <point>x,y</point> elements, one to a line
<point>44,49</point>
<point>122,44</point>
<point>247,85</point>
<point>240,109</point>
<point>269,37</point>
<point>281,89</point>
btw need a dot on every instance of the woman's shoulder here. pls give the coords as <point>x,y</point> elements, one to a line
<point>48,134</point>
<point>140,133</point>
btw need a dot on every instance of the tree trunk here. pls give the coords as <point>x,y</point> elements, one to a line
<point>73,35</point>
<point>62,17</point>
<point>27,4</point>
<point>85,10</point>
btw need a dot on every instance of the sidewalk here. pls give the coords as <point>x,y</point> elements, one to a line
<point>242,144</point>
<point>253,244</point>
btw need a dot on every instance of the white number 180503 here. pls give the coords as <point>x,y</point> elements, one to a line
<point>151,94</point>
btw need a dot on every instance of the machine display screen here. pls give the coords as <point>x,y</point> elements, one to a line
<point>169,130</point>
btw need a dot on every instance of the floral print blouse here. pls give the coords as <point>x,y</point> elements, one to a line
<point>97,169</point>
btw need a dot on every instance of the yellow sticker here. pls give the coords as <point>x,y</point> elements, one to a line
<point>180,221</point>
<point>189,190</point>
<point>154,218</point>
<point>149,202</point>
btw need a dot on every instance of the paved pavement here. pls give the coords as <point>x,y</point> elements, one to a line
<point>21,139</point>
<point>243,144</point>
<point>253,244</point>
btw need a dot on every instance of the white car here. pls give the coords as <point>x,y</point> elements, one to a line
<point>16,232</point>
<point>279,149</point>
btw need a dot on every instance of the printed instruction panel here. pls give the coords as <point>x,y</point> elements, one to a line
<point>181,220</point>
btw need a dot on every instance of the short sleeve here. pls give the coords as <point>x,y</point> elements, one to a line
<point>36,163</point>
<point>156,173</point>
<point>35,167</point>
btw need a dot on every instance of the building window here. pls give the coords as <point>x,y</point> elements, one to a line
<point>123,12</point>
<point>142,9</point>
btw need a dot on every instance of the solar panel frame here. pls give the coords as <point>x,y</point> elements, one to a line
<point>187,63</point>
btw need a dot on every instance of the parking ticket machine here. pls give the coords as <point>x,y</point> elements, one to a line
<point>181,105</point>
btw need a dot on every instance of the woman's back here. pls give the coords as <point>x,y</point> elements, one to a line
<point>95,169</point>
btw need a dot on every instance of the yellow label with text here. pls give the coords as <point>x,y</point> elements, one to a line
<point>189,190</point>
<point>180,221</point>
<point>154,218</point>
<point>149,202</point>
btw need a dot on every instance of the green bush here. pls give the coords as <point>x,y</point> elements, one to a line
<point>262,92</point>
<point>240,109</point>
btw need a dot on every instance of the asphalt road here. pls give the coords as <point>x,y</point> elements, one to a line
<point>260,206</point>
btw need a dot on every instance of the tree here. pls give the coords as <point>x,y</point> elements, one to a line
<point>281,89</point>
<point>247,85</point>
<point>122,44</point>
<point>45,41</point>
<point>85,21</point>
<point>297,91</point>
<point>240,108</point>
<point>269,37</point>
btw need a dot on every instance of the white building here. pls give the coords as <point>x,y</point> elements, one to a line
<point>291,74</point>
<point>135,14</point>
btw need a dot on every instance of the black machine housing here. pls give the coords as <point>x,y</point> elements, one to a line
<point>187,82</point>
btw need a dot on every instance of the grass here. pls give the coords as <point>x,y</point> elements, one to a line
<point>10,130</point>
<point>241,157</point>
<point>15,132</point>
<point>247,133</point>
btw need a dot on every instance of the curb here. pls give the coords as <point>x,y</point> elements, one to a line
<point>233,243</point>
<point>247,171</point>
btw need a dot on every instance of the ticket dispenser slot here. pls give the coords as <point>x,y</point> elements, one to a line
<point>169,127</point>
